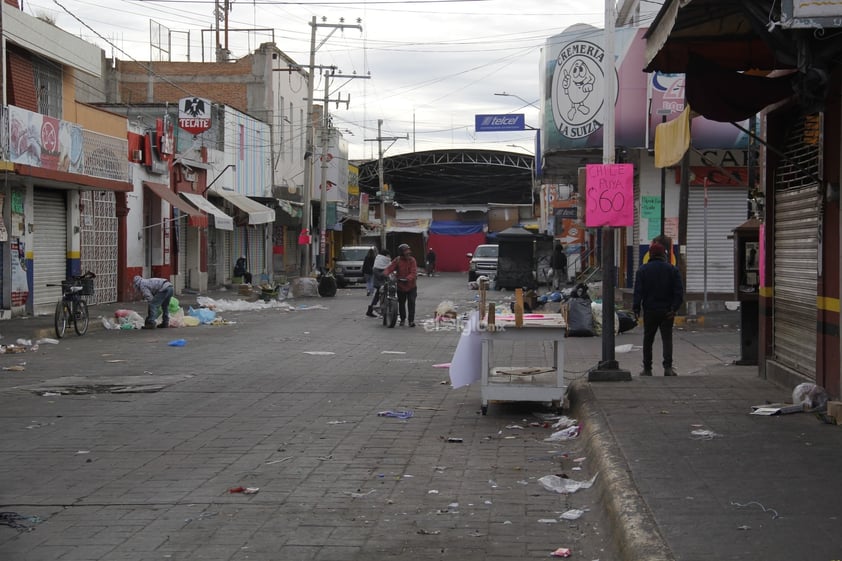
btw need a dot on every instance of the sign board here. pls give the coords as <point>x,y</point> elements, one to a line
<point>610,195</point>
<point>194,114</point>
<point>508,122</point>
<point>810,15</point>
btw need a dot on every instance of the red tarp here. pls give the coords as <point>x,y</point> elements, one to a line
<point>451,250</point>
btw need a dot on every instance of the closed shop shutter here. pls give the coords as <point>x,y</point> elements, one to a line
<point>182,254</point>
<point>228,259</point>
<point>796,275</point>
<point>49,253</point>
<point>726,209</point>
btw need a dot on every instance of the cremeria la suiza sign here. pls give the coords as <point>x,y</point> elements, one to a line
<point>507,122</point>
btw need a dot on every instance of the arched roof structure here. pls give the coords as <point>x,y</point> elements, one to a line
<point>453,177</point>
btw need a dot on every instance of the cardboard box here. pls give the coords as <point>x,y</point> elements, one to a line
<point>834,409</point>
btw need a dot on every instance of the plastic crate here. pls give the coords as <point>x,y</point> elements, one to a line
<point>87,287</point>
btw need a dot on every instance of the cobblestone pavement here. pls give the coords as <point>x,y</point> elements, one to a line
<point>125,448</point>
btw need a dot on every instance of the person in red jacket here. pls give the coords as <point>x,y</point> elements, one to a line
<point>406,270</point>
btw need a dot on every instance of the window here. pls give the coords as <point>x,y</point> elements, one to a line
<point>47,87</point>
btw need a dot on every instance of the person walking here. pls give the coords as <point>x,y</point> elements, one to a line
<point>559,265</point>
<point>431,262</point>
<point>368,271</point>
<point>383,259</point>
<point>658,292</point>
<point>157,292</point>
<point>407,270</point>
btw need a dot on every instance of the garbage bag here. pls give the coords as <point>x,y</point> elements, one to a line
<point>809,396</point>
<point>626,321</point>
<point>174,305</point>
<point>579,318</point>
<point>204,315</point>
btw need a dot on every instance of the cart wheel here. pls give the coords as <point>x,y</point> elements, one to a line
<point>556,406</point>
<point>485,410</point>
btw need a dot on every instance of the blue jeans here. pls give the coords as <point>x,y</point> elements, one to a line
<point>160,300</point>
<point>369,282</point>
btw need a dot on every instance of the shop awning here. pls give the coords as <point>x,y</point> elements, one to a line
<point>257,213</point>
<point>221,221</point>
<point>195,216</point>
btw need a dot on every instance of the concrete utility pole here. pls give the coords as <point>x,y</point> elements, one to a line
<point>386,196</point>
<point>309,150</point>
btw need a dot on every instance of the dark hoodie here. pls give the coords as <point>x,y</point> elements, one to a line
<point>658,287</point>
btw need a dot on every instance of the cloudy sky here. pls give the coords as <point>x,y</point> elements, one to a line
<point>434,64</point>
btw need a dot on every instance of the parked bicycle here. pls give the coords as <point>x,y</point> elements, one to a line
<point>389,301</point>
<point>72,307</point>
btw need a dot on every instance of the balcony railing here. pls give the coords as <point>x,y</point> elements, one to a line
<point>41,141</point>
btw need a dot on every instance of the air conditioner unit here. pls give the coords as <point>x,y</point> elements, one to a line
<point>137,155</point>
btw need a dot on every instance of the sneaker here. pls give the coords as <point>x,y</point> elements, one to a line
<point>148,325</point>
<point>645,372</point>
<point>412,324</point>
<point>163,325</point>
<point>400,322</point>
<point>670,372</point>
<point>371,314</point>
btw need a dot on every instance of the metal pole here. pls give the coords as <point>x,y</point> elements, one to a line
<point>306,218</point>
<point>380,182</point>
<point>323,182</point>
<point>664,193</point>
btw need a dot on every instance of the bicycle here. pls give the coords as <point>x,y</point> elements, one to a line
<point>71,306</point>
<point>389,301</point>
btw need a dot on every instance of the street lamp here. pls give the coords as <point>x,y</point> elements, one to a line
<point>532,103</point>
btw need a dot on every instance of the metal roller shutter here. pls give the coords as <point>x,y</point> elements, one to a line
<point>796,278</point>
<point>182,254</point>
<point>727,209</point>
<point>49,252</point>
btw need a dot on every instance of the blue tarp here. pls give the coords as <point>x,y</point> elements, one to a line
<point>455,228</point>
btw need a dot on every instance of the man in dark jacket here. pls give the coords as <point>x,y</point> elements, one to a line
<point>659,291</point>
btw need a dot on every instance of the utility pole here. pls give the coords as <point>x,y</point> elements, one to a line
<point>386,195</point>
<point>309,150</point>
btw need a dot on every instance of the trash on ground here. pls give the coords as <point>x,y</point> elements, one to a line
<point>514,427</point>
<point>358,494</point>
<point>547,521</point>
<point>776,409</point>
<point>392,352</point>
<point>269,463</point>
<point>16,521</point>
<point>771,511</point>
<point>433,492</point>
<point>810,396</point>
<point>704,434</point>
<point>177,343</point>
<point>442,365</point>
<point>238,305</point>
<point>566,434</point>
<point>562,552</point>
<point>319,353</point>
<point>15,368</point>
<point>454,439</point>
<point>24,342</point>
<point>204,315</point>
<point>336,422</point>
<point>564,422</point>
<point>572,514</point>
<point>49,340</point>
<point>244,490</point>
<point>563,485</point>
<point>424,532</point>
<point>624,348</point>
<point>396,414</point>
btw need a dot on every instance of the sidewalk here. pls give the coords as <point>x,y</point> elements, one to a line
<point>749,487</point>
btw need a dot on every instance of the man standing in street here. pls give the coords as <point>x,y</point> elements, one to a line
<point>407,271</point>
<point>659,292</point>
<point>157,292</point>
<point>431,262</point>
<point>559,265</point>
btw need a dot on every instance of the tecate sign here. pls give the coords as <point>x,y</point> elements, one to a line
<point>508,122</point>
<point>194,114</point>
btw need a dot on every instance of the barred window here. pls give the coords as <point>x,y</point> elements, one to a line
<point>47,87</point>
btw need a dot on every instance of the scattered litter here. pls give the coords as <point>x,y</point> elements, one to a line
<point>810,396</point>
<point>396,414</point>
<point>562,552</point>
<point>514,427</point>
<point>24,342</point>
<point>51,394</point>
<point>704,434</point>
<point>325,458</point>
<point>487,502</point>
<point>453,505</point>
<point>506,522</point>
<point>358,495</point>
<point>392,352</point>
<point>579,460</point>
<point>47,340</point>
<point>176,343</point>
<point>492,483</point>
<point>562,485</point>
<point>278,461</point>
<point>424,532</point>
<point>15,368</point>
<point>572,514</point>
<point>564,422</point>
<point>319,353</point>
<point>442,365</point>
<point>547,521</point>
<point>433,492</point>
<point>546,416</point>
<point>16,521</point>
<point>454,439</point>
<point>776,409</point>
<point>115,360</point>
<point>743,527</point>
<point>244,490</point>
<point>624,348</point>
<point>336,422</point>
<point>83,452</point>
<point>772,511</point>
<point>566,434</point>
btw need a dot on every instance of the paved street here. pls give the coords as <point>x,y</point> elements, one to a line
<point>135,458</point>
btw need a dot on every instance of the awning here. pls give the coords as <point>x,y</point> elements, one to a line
<point>195,217</point>
<point>221,221</point>
<point>257,213</point>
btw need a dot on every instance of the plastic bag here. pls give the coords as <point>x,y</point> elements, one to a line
<point>579,318</point>
<point>562,485</point>
<point>809,396</point>
<point>204,315</point>
<point>177,317</point>
<point>596,310</point>
<point>174,305</point>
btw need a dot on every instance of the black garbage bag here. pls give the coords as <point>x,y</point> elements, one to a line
<point>580,318</point>
<point>627,321</point>
<point>327,285</point>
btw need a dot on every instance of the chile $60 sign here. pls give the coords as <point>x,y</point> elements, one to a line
<point>610,195</point>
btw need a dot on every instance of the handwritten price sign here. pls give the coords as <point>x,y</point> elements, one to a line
<point>610,195</point>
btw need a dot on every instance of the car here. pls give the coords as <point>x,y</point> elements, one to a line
<point>483,261</point>
<point>348,266</point>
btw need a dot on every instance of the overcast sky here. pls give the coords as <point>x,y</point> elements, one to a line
<point>434,64</point>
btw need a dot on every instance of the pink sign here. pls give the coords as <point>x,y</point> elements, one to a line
<point>609,195</point>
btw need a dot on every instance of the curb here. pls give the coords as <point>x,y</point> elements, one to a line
<point>635,531</point>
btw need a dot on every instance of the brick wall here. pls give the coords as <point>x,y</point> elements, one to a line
<point>21,86</point>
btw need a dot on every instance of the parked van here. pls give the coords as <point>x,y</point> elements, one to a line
<point>483,262</point>
<point>348,266</point>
